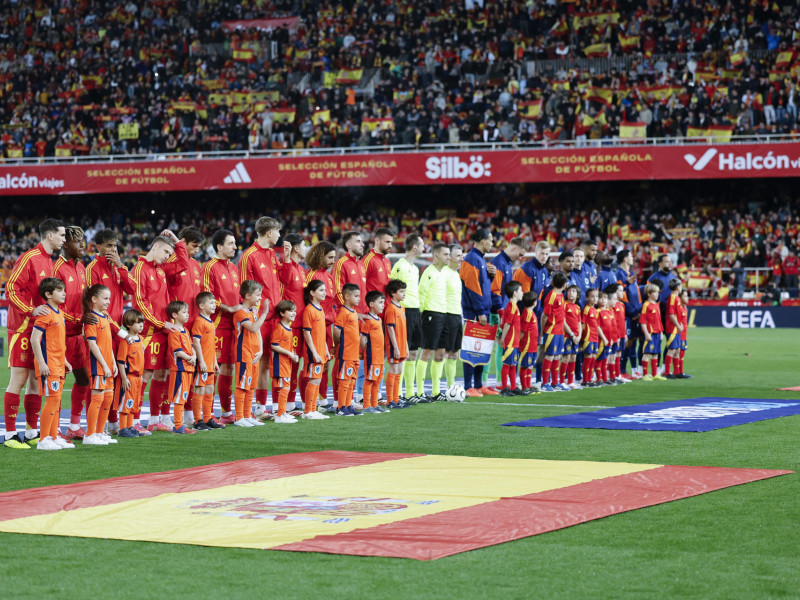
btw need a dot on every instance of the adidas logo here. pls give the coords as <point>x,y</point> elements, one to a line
<point>238,175</point>
<point>700,164</point>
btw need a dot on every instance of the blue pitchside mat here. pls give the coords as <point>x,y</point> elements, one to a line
<point>694,414</point>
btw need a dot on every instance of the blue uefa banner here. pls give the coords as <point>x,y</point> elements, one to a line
<point>694,414</point>
<point>744,317</point>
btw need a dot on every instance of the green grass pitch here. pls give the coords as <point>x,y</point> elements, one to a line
<point>740,542</point>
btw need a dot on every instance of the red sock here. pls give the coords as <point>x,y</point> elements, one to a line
<point>555,371</point>
<point>10,410</point>
<point>293,384</point>
<point>77,399</point>
<point>644,366</point>
<point>504,376</point>
<point>667,364</point>
<point>33,404</point>
<point>323,385</point>
<point>155,396</point>
<point>225,392</point>
<point>261,397</point>
<point>678,362</point>
<point>598,369</point>
<point>562,371</point>
<point>512,374</point>
<point>654,366</point>
<point>618,366</point>
<point>571,373</point>
<point>546,364</point>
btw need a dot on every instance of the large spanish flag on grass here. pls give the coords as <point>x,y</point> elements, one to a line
<point>359,503</point>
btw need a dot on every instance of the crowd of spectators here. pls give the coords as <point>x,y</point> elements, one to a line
<point>716,243</point>
<point>73,71</point>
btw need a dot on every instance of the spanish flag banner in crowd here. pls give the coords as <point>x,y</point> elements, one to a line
<point>583,19</point>
<point>417,506</point>
<point>212,84</point>
<point>63,150</point>
<point>349,76</point>
<point>561,85</point>
<point>598,119</point>
<point>530,110</point>
<point>737,58</point>
<point>632,132</point>
<point>372,124</point>
<point>601,95</point>
<point>597,50</point>
<point>628,42</point>
<point>784,59</point>
<point>283,115</point>
<point>244,55</point>
<point>91,82</point>
<point>320,117</point>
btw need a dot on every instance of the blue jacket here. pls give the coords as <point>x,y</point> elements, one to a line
<point>589,270</point>
<point>605,278</point>
<point>505,273</point>
<point>633,295</point>
<point>476,299</point>
<point>665,278</point>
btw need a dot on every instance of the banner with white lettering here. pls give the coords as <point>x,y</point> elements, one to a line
<point>484,166</point>
<point>477,343</point>
<point>692,414</point>
<point>744,317</point>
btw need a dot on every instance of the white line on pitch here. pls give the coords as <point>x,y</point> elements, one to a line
<point>542,405</point>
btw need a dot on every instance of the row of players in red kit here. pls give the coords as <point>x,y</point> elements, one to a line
<point>598,332</point>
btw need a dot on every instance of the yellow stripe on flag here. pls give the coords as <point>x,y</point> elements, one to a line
<point>271,513</point>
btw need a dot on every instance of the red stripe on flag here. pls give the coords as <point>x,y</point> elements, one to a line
<point>460,530</point>
<point>87,494</point>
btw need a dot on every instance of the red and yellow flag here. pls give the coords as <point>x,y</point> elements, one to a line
<point>597,50</point>
<point>632,132</point>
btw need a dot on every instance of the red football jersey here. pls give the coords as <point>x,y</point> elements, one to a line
<point>554,309</point>
<point>510,315</point>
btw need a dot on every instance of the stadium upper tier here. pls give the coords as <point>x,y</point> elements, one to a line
<point>92,78</point>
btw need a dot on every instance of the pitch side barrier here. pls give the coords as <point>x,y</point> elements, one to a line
<point>598,160</point>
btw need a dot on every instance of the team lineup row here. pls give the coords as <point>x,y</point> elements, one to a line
<point>194,327</point>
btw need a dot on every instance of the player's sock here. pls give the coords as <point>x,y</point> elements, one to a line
<point>469,373</point>
<point>570,373</point>
<point>310,397</point>
<point>513,377</point>
<point>247,409</point>
<point>10,410</point>
<point>93,412</point>
<point>351,388</point>
<point>478,377</point>
<point>262,395</point>
<point>341,393</point>
<point>540,372</point>
<point>225,393</point>
<point>77,401</point>
<point>562,371</point>
<point>437,367</point>
<point>667,364</point>
<point>197,407</point>
<point>393,388</point>
<point>633,357</point>
<point>208,406</point>
<point>367,392</point>
<point>33,404</point>
<point>238,403</point>
<point>409,372</point>
<point>49,414</point>
<point>624,360</point>
<point>503,375</point>
<point>420,371</point>
<point>105,407</point>
<point>155,399</point>
<point>654,366</point>
<point>450,365</point>
<point>645,364</point>
<point>547,366</point>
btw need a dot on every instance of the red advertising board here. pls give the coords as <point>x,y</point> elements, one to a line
<point>420,168</point>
